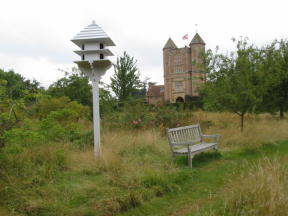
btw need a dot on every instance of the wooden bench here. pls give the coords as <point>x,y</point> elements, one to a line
<point>189,141</point>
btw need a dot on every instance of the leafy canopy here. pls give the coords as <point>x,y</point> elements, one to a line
<point>276,72</point>
<point>235,81</point>
<point>74,85</point>
<point>126,78</point>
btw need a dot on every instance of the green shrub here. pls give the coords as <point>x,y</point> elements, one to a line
<point>81,140</point>
<point>140,115</point>
<point>22,137</point>
<point>52,130</point>
<point>45,105</point>
<point>130,116</point>
<point>64,116</point>
<point>171,116</point>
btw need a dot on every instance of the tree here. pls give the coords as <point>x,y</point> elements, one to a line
<point>8,110</point>
<point>235,82</point>
<point>276,72</point>
<point>17,86</point>
<point>74,85</point>
<point>126,78</point>
<point>108,104</point>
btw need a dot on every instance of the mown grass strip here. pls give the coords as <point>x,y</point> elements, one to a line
<point>207,177</point>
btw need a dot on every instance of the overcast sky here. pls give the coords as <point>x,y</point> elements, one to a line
<point>35,34</point>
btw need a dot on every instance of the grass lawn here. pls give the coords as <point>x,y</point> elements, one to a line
<point>208,177</point>
<point>137,175</point>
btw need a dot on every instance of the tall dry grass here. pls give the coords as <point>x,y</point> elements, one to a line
<point>129,150</point>
<point>126,152</point>
<point>262,190</point>
<point>135,166</point>
<point>258,129</point>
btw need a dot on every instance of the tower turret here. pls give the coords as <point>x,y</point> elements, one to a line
<point>168,60</point>
<point>197,46</point>
<point>170,44</point>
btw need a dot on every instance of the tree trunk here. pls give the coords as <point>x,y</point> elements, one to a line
<point>281,113</point>
<point>242,122</point>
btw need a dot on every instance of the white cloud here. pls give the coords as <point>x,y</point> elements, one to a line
<point>40,69</point>
<point>35,35</point>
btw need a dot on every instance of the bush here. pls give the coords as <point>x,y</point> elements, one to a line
<point>52,130</point>
<point>46,104</point>
<point>130,116</point>
<point>140,115</point>
<point>171,117</point>
<point>18,138</point>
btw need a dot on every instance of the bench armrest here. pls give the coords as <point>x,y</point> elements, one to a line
<point>215,136</point>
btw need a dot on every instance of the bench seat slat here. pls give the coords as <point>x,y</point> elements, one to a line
<point>195,148</point>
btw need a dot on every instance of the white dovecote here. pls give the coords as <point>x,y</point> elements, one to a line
<point>93,43</point>
<point>93,52</point>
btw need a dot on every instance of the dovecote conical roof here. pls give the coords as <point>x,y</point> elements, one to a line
<point>197,40</point>
<point>92,33</point>
<point>170,44</point>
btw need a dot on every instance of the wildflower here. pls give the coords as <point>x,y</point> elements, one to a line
<point>135,122</point>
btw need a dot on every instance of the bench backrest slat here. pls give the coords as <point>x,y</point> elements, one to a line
<point>184,135</point>
<point>176,137</point>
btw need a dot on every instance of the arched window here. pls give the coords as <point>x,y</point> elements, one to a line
<point>101,46</point>
<point>83,46</point>
<point>83,57</point>
<point>101,56</point>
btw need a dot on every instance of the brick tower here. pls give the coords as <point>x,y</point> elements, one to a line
<point>182,74</point>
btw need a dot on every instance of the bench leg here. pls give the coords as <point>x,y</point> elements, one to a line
<point>190,158</point>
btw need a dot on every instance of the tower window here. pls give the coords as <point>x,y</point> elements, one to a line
<point>178,86</point>
<point>83,47</point>
<point>101,56</point>
<point>178,60</point>
<point>178,64</point>
<point>178,69</point>
<point>101,46</point>
<point>83,57</point>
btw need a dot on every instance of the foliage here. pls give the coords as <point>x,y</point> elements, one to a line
<point>74,85</point>
<point>47,104</point>
<point>15,93</point>
<point>235,82</point>
<point>107,103</point>
<point>138,115</point>
<point>126,78</point>
<point>275,66</point>
<point>172,116</point>
<point>18,86</point>
<point>10,111</point>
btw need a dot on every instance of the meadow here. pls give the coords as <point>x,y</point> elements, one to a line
<point>52,173</point>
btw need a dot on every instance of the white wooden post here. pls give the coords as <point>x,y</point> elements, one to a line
<point>96,117</point>
<point>94,43</point>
